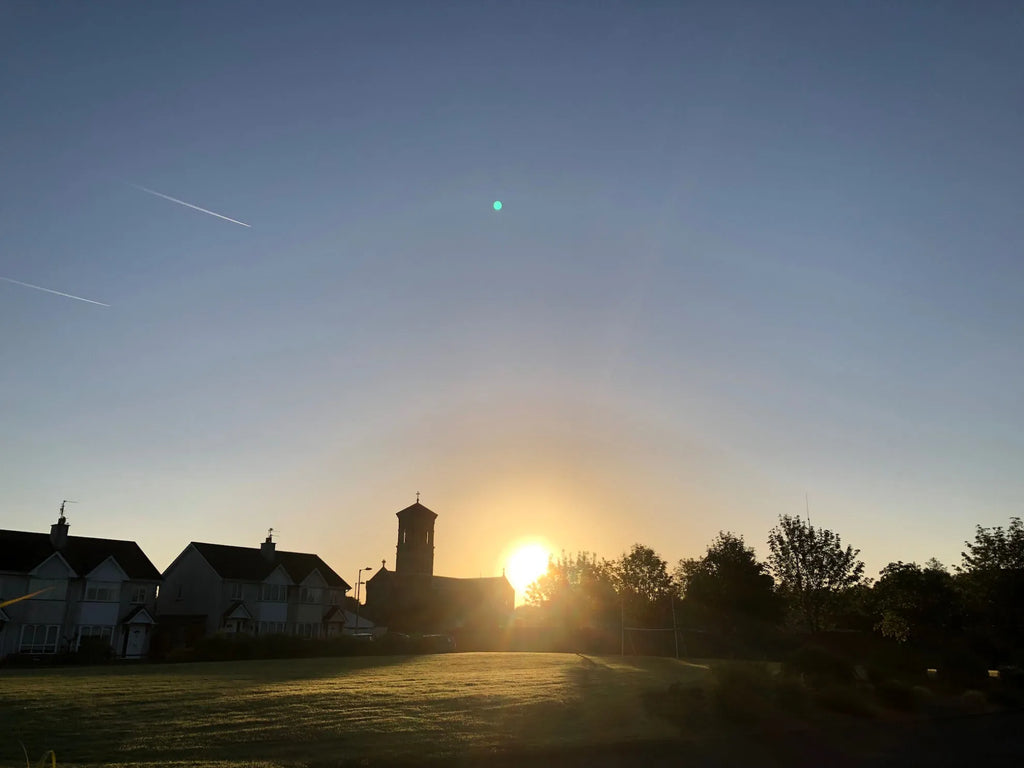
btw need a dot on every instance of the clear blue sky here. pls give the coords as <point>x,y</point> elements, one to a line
<point>747,252</point>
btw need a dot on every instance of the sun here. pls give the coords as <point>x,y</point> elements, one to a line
<point>526,563</point>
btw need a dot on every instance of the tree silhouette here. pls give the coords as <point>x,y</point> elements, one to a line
<point>577,590</point>
<point>811,568</point>
<point>729,584</point>
<point>643,584</point>
<point>915,603</point>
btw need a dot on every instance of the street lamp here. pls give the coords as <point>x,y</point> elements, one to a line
<point>359,580</point>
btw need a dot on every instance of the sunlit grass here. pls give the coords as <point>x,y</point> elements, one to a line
<point>289,712</point>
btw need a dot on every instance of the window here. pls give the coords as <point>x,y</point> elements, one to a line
<point>275,593</point>
<point>307,630</point>
<point>55,589</point>
<point>39,638</point>
<point>236,590</point>
<point>84,631</point>
<point>311,595</point>
<point>334,597</point>
<point>103,592</point>
<point>139,594</point>
<point>271,628</point>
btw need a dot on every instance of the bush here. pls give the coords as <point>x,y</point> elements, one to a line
<point>844,699</point>
<point>897,695</point>
<point>1011,678</point>
<point>791,695</point>
<point>747,692</point>
<point>963,671</point>
<point>742,692</point>
<point>819,666</point>
<point>973,701</point>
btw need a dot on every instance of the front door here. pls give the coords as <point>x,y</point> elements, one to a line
<point>136,645</point>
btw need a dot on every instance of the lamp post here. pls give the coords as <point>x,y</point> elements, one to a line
<point>359,580</point>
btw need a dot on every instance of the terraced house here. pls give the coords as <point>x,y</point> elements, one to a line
<point>84,591</point>
<point>217,588</point>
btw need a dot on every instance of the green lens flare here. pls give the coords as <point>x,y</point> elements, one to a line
<point>497,205</point>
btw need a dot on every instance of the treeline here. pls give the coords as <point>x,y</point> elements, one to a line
<point>810,586</point>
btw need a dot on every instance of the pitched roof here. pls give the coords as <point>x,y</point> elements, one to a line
<point>484,582</point>
<point>21,551</point>
<point>139,615</point>
<point>250,564</point>
<point>415,509</point>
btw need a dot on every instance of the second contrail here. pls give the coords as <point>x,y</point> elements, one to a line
<point>189,205</point>
<point>50,290</point>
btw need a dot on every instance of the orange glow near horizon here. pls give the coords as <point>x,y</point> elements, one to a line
<point>525,562</point>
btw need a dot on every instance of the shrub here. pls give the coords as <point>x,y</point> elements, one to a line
<point>844,699</point>
<point>896,695</point>
<point>1012,678</point>
<point>961,671</point>
<point>973,701</point>
<point>819,666</point>
<point>742,692</point>
<point>791,695</point>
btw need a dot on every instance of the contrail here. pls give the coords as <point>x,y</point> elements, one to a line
<point>189,205</point>
<point>48,290</point>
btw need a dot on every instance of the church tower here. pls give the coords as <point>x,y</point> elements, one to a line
<point>415,555</point>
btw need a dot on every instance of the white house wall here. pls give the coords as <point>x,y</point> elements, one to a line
<point>201,587</point>
<point>277,612</point>
<point>103,614</point>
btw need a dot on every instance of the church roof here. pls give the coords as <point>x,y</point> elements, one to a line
<point>452,583</point>
<point>21,551</point>
<point>416,509</point>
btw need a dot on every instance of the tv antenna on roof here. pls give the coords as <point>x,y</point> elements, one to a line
<point>65,501</point>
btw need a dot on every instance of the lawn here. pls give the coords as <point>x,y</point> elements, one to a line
<point>330,711</point>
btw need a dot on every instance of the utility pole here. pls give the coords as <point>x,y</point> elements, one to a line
<point>359,577</point>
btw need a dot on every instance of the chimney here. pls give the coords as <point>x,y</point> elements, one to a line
<point>59,532</point>
<point>267,547</point>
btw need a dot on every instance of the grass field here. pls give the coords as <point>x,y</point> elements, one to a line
<point>330,711</point>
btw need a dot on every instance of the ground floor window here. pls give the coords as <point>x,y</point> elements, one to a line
<point>39,638</point>
<point>86,631</point>
<point>271,628</point>
<point>307,630</point>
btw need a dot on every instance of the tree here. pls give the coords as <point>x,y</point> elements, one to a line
<point>992,580</point>
<point>729,582</point>
<point>811,568</point>
<point>577,589</point>
<point>914,603</point>
<point>995,549</point>
<point>643,583</point>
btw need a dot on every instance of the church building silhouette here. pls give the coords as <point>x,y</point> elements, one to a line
<point>411,598</point>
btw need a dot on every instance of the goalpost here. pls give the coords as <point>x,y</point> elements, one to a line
<point>674,629</point>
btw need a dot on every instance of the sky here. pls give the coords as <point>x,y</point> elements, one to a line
<point>752,259</point>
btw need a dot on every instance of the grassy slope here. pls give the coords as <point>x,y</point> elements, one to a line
<point>286,712</point>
